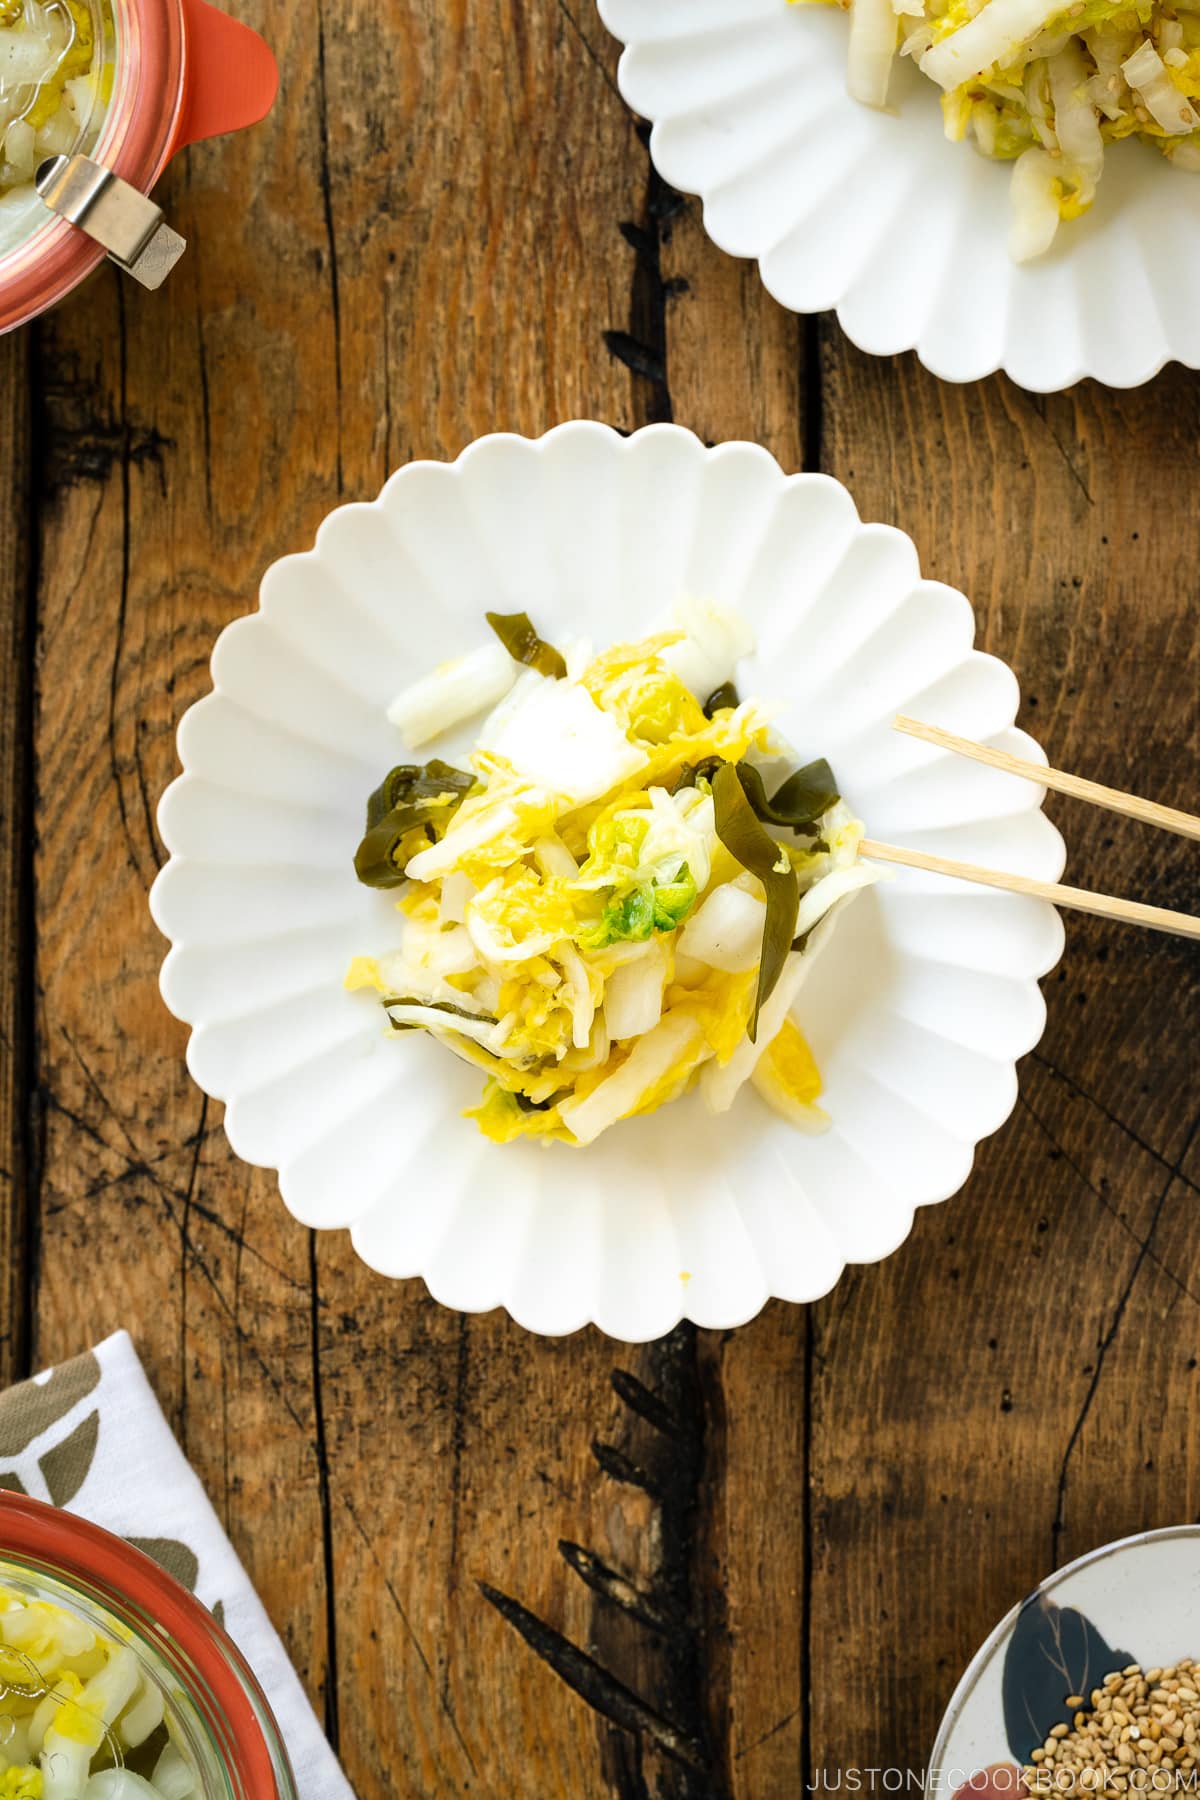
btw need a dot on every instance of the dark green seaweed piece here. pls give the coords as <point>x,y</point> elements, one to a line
<point>743,836</point>
<point>524,645</point>
<point>415,781</point>
<point>799,803</point>
<point>721,697</point>
<point>408,799</point>
<point>692,773</point>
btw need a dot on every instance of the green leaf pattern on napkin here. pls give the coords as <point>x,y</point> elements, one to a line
<point>32,1407</point>
<point>66,1465</point>
<point>172,1556</point>
<point>31,1410</point>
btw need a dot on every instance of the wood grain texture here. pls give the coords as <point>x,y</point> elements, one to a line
<point>699,1570</point>
<point>1059,1287</point>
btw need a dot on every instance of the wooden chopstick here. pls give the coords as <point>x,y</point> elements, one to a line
<point>1148,811</point>
<point>1104,906</point>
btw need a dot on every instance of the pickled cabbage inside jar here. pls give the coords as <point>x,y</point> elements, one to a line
<point>57,61</point>
<point>115,1682</point>
<point>83,1716</point>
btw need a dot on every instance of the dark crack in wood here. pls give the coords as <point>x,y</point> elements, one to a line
<point>20,1176</point>
<point>617,1589</point>
<point>642,344</point>
<point>1059,1524</point>
<point>595,1685</point>
<point>622,1467</point>
<point>648,1405</point>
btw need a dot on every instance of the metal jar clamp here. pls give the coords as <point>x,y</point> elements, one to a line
<point>118,216</point>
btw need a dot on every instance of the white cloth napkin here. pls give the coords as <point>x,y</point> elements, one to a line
<point>73,1435</point>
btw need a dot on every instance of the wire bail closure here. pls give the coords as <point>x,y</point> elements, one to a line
<point>126,222</point>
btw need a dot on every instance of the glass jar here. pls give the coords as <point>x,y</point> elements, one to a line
<point>183,71</point>
<point>217,1715</point>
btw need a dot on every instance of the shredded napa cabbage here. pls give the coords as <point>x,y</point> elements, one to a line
<point>1044,86</point>
<point>573,922</point>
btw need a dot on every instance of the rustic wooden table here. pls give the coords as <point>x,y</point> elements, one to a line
<point>749,1557</point>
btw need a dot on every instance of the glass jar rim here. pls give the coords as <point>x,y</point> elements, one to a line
<point>135,142</point>
<point>138,1591</point>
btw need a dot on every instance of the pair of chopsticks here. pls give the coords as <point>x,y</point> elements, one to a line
<point>1104,906</point>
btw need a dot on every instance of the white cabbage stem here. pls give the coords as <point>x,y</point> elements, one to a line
<point>172,1778</point>
<point>825,894</point>
<point>633,996</point>
<point>454,692</point>
<point>123,1784</point>
<point>917,41</point>
<point>1036,93</point>
<point>1147,75</point>
<point>553,859</point>
<point>560,740</point>
<point>874,29</point>
<point>1075,121</point>
<point>143,1714</point>
<point>26,58</point>
<point>675,1043</point>
<point>983,123</point>
<point>715,641</point>
<point>457,889</point>
<point>1035,196</point>
<point>726,931</point>
<point>993,36</point>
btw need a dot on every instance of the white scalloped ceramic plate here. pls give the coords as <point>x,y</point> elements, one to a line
<point>878,215</point>
<point>917,1012</point>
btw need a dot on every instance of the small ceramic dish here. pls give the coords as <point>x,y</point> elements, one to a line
<point>878,215</point>
<point>1137,1600</point>
<point>917,1013</point>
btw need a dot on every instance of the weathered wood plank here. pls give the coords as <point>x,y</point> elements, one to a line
<point>16,824</point>
<point>755,1529</point>
<point>737,359</point>
<point>737,369</point>
<point>1058,1285</point>
<point>180,438</point>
